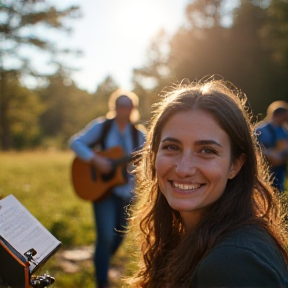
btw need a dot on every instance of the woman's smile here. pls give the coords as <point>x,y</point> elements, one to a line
<point>186,186</point>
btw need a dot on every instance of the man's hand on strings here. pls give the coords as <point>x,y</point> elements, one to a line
<point>103,164</point>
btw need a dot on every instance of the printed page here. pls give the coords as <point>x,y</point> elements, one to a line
<point>23,231</point>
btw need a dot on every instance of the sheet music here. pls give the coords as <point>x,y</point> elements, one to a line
<point>23,231</point>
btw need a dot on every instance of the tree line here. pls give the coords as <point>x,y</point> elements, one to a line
<point>251,52</point>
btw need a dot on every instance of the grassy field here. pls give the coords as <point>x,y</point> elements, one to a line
<point>41,182</point>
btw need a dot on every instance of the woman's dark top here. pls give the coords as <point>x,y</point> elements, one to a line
<point>247,257</point>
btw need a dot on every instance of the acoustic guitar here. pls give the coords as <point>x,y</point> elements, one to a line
<point>90,184</point>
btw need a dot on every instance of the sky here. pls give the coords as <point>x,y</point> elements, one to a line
<point>114,36</point>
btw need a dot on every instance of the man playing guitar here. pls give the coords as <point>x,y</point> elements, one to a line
<point>109,210</point>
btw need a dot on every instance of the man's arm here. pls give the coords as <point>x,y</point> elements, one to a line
<point>81,143</point>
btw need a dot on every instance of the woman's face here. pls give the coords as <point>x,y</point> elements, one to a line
<point>124,108</point>
<point>193,163</point>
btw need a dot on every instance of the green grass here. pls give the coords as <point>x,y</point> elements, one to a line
<point>41,181</point>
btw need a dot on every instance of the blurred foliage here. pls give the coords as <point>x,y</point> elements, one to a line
<point>69,109</point>
<point>154,75</point>
<point>20,23</point>
<point>251,52</point>
<point>25,107</point>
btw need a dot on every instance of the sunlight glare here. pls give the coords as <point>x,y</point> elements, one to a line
<point>140,18</point>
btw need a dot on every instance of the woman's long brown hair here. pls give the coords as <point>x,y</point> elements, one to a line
<point>169,253</point>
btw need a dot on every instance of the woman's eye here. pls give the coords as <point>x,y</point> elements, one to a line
<point>208,151</point>
<point>170,147</point>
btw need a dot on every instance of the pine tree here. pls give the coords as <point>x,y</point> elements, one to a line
<point>20,23</point>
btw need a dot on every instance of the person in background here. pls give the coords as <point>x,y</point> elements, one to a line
<point>206,215</point>
<point>273,138</point>
<point>110,217</point>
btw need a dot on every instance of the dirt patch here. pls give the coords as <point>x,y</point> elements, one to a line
<point>73,260</point>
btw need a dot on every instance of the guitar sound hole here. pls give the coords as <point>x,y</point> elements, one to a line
<point>108,177</point>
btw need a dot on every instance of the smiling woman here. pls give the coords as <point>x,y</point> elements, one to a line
<point>201,195</point>
<point>193,169</point>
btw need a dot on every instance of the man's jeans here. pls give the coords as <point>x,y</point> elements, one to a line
<point>111,223</point>
<point>279,175</point>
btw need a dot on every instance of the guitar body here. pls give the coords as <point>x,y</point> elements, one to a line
<point>90,184</point>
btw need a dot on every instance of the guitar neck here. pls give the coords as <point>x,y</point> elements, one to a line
<point>122,160</point>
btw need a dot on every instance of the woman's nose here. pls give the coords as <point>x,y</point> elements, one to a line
<point>186,166</point>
